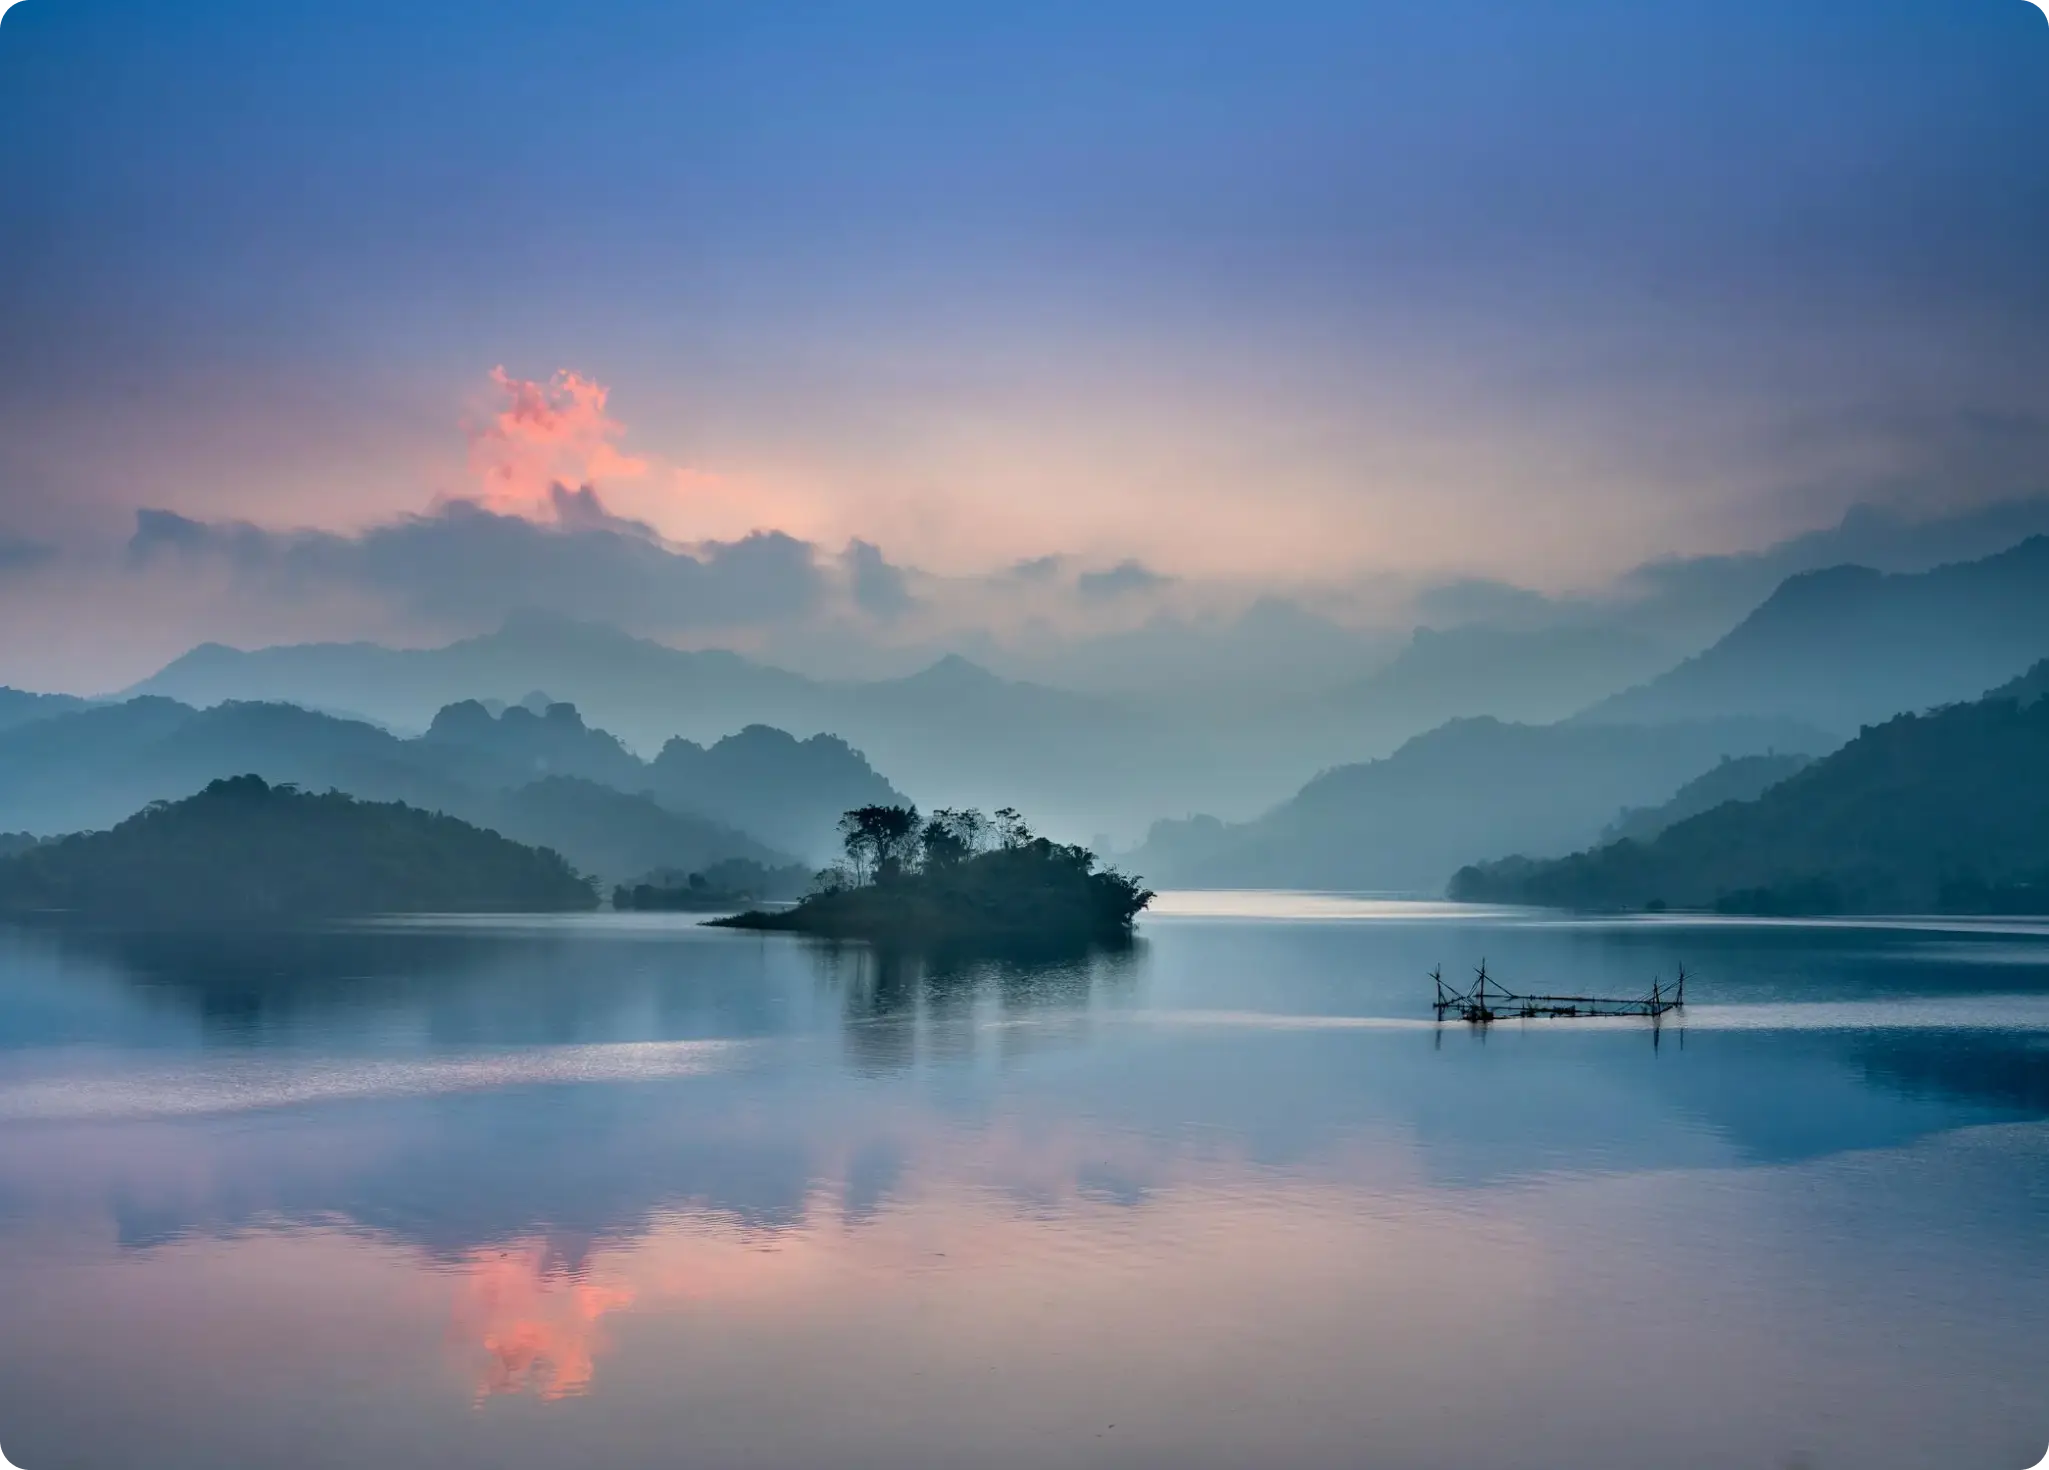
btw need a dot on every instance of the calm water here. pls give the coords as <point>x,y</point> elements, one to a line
<point>618,1191</point>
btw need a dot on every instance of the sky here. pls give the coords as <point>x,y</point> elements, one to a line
<point>813,327</point>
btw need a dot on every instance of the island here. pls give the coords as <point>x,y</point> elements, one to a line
<point>244,849</point>
<point>958,878</point>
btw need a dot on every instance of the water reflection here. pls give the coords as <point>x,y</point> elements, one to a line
<point>1227,1190</point>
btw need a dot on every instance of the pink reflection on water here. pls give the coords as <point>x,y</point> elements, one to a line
<point>539,1326</point>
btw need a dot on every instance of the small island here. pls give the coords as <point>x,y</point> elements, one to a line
<point>245,850</point>
<point>958,878</point>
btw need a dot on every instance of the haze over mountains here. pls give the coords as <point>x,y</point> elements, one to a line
<point>1474,785</point>
<point>1946,811</point>
<point>1537,733</point>
<point>1847,646</point>
<point>1829,649</point>
<point>547,780</point>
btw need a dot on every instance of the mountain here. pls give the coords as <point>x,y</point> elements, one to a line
<point>244,849</point>
<point>644,691</point>
<point>1532,676</point>
<point>95,767</point>
<point>2027,688</point>
<point>970,736</point>
<point>1939,812</point>
<point>18,707</point>
<point>92,768</point>
<point>788,792</point>
<point>1850,646</point>
<point>1737,778</point>
<point>519,745</point>
<point>1472,786</point>
<point>615,835</point>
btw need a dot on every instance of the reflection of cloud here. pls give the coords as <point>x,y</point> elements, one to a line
<point>538,1326</point>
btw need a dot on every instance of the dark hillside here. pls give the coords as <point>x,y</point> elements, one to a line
<point>246,850</point>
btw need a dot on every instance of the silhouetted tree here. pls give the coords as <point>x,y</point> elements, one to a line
<point>952,837</point>
<point>881,841</point>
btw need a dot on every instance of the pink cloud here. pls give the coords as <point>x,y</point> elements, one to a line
<point>545,435</point>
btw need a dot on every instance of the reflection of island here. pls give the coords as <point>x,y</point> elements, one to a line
<point>959,878</point>
<point>243,849</point>
<point>904,1005</point>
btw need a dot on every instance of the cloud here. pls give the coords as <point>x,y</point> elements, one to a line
<point>1038,568</point>
<point>1122,580</point>
<point>879,588</point>
<point>544,436</point>
<point>1482,600</point>
<point>20,555</point>
<point>466,564</point>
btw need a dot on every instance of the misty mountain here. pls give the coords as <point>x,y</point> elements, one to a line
<point>1532,676</point>
<point>970,737</point>
<point>1939,812</point>
<point>961,734</point>
<point>1273,649</point>
<point>519,745</point>
<point>1686,602</point>
<point>1850,646</point>
<point>18,707</point>
<point>592,800</point>
<point>1407,822</point>
<point>611,834</point>
<point>643,691</point>
<point>1738,778</point>
<point>786,791</point>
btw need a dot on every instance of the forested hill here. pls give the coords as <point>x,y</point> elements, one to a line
<point>245,850</point>
<point>1941,812</point>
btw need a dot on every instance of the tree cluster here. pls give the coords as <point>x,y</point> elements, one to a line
<point>959,875</point>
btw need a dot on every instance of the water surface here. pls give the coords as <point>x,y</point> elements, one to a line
<point>617,1190</point>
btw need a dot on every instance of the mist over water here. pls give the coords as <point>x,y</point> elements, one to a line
<point>617,1189</point>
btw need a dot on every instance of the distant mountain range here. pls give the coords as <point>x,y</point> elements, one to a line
<point>1473,786</point>
<point>1845,647</point>
<point>1529,676</point>
<point>19,708</point>
<point>967,736</point>
<point>547,779</point>
<point>1827,652</point>
<point>1940,812</point>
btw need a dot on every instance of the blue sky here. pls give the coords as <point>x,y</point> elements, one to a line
<point>1259,294</point>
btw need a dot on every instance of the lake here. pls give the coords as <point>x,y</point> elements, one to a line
<point>616,1190</point>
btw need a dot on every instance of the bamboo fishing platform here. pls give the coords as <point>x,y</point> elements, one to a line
<point>1489,1000</point>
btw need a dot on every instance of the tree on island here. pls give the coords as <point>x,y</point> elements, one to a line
<point>958,876</point>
